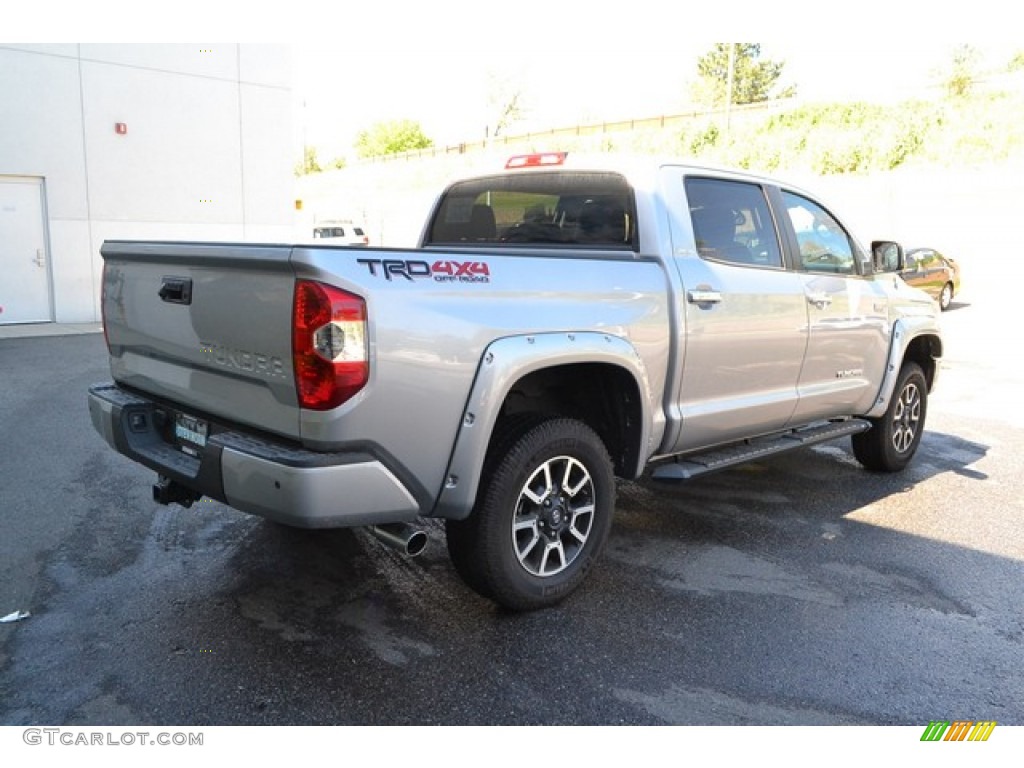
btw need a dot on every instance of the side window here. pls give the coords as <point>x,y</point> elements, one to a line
<point>824,244</point>
<point>732,222</point>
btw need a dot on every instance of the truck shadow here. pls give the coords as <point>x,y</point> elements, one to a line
<point>819,487</point>
<point>824,483</point>
<point>722,529</point>
<point>708,574</point>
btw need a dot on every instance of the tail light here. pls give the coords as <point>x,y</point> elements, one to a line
<point>329,349</point>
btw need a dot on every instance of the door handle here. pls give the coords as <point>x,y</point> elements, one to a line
<point>176,290</point>
<point>819,300</point>
<point>703,296</point>
<point>40,258</point>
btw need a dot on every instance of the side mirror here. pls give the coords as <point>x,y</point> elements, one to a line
<point>887,256</point>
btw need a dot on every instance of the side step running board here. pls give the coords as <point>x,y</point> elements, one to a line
<point>757,448</point>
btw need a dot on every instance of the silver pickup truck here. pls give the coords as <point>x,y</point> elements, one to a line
<point>562,323</point>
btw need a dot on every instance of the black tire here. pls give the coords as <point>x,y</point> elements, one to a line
<point>891,442</point>
<point>542,517</point>
<point>946,296</point>
<point>459,533</point>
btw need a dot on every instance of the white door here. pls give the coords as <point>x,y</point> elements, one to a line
<point>24,267</point>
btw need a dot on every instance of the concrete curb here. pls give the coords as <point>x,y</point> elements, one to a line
<point>38,330</point>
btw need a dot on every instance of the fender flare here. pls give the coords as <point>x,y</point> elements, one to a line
<point>904,331</point>
<point>503,363</point>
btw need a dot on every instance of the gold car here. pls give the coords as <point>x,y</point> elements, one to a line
<point>936,274</point>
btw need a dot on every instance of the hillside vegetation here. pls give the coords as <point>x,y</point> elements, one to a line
<point>835,138</point>
<point>893,166</point>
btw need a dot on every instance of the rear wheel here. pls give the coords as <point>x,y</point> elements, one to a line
<point>946,296</point>
<point>891,442</point>
<point>542,517</point>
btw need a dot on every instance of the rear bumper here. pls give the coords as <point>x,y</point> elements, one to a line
<point>291,485</point>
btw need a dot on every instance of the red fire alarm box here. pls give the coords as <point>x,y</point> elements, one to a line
<point>121,128</point>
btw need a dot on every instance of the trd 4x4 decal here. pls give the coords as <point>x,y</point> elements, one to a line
<point>441,271</point>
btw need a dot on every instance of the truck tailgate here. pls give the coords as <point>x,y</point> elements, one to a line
<point>206,326</point>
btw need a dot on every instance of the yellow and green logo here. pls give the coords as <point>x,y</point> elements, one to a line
<point>958,730</point>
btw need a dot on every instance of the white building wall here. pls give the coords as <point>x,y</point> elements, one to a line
<point>206,156</point>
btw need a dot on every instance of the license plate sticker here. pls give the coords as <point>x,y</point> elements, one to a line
<point>191,430</point>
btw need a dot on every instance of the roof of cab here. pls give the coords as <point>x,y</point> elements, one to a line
<point>629,165</point>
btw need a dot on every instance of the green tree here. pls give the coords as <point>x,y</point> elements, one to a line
<point>309,163</point>
<point>753,80</point>
<point>391,137</point>
<point>1017,62</point>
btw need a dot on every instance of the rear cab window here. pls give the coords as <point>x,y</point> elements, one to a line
<point>549,209</point>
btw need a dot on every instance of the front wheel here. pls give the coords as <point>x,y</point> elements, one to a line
<point>891,442</point>
<point>542,517</point>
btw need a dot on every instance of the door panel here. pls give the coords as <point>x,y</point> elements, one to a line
<point>25,285</point>
<point>847,349</point>
<point>848,340</point>
<point>743,352</point>
<point>745,316</point>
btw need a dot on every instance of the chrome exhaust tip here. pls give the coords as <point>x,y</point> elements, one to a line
<point>407,539</point>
